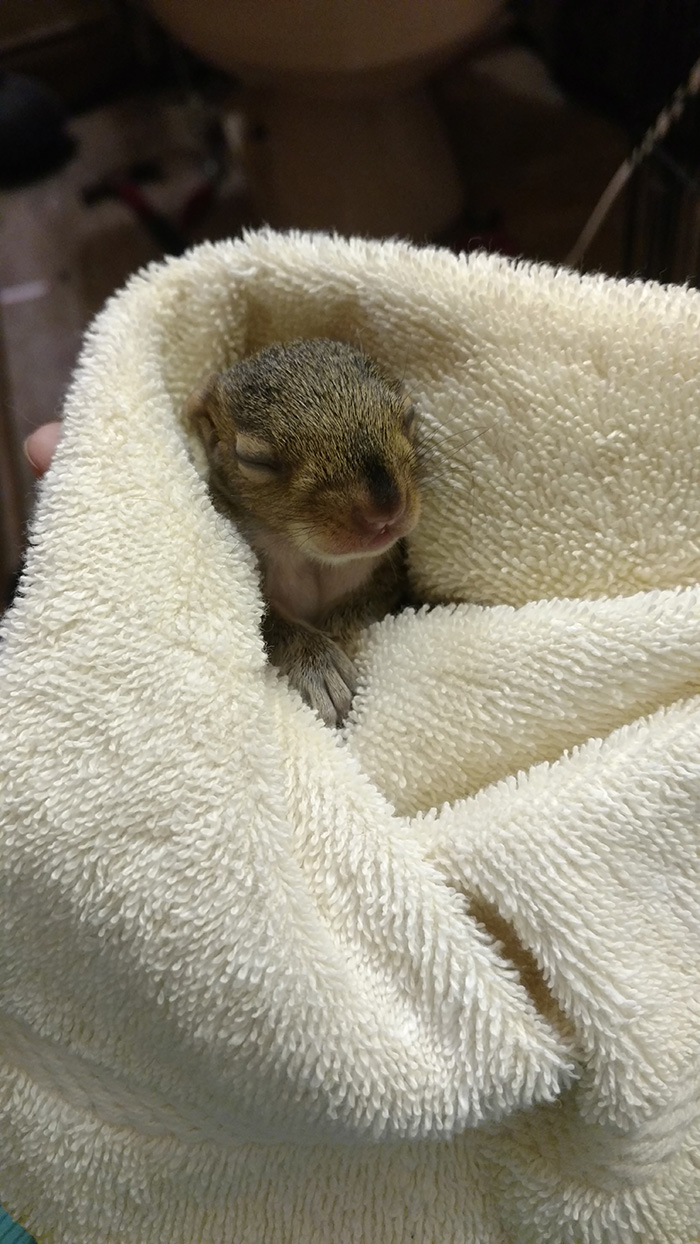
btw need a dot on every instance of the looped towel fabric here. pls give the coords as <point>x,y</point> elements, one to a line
<point>436,978</point>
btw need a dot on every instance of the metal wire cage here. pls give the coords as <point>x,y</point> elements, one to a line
<point>638,63</point>
<point>661,238</point>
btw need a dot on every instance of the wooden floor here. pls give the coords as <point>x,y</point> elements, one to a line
<point>524,151</point>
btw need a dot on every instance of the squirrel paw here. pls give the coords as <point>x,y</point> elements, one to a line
<point>325,677</point>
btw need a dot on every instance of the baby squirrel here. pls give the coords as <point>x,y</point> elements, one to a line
<point>312,454</point>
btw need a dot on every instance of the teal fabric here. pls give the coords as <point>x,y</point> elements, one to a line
<point>11,1232</point>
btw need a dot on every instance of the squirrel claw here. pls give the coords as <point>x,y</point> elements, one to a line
<point>329,688</point>
<point>326,679</point>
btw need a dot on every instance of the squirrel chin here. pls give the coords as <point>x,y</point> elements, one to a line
<point>375,548</point>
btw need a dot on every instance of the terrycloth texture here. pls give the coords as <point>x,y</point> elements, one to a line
<point>251,983</point>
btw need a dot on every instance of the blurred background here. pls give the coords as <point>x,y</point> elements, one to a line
<point>131,129</point>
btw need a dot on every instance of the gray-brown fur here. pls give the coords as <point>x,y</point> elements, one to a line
<point>311,448</point>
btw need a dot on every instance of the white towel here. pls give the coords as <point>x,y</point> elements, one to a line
<point>434,979</point>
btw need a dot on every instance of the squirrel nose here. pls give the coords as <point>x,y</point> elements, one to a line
<point>371,520</point>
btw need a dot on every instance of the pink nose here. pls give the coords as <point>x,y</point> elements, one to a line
<point>370,522</point>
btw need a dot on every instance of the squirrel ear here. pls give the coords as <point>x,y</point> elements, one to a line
<point>198,414</point>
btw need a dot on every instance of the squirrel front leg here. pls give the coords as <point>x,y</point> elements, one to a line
<point>314,664</point>
<point>314,657</point>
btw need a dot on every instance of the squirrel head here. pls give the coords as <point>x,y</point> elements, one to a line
<point>313,441</point>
